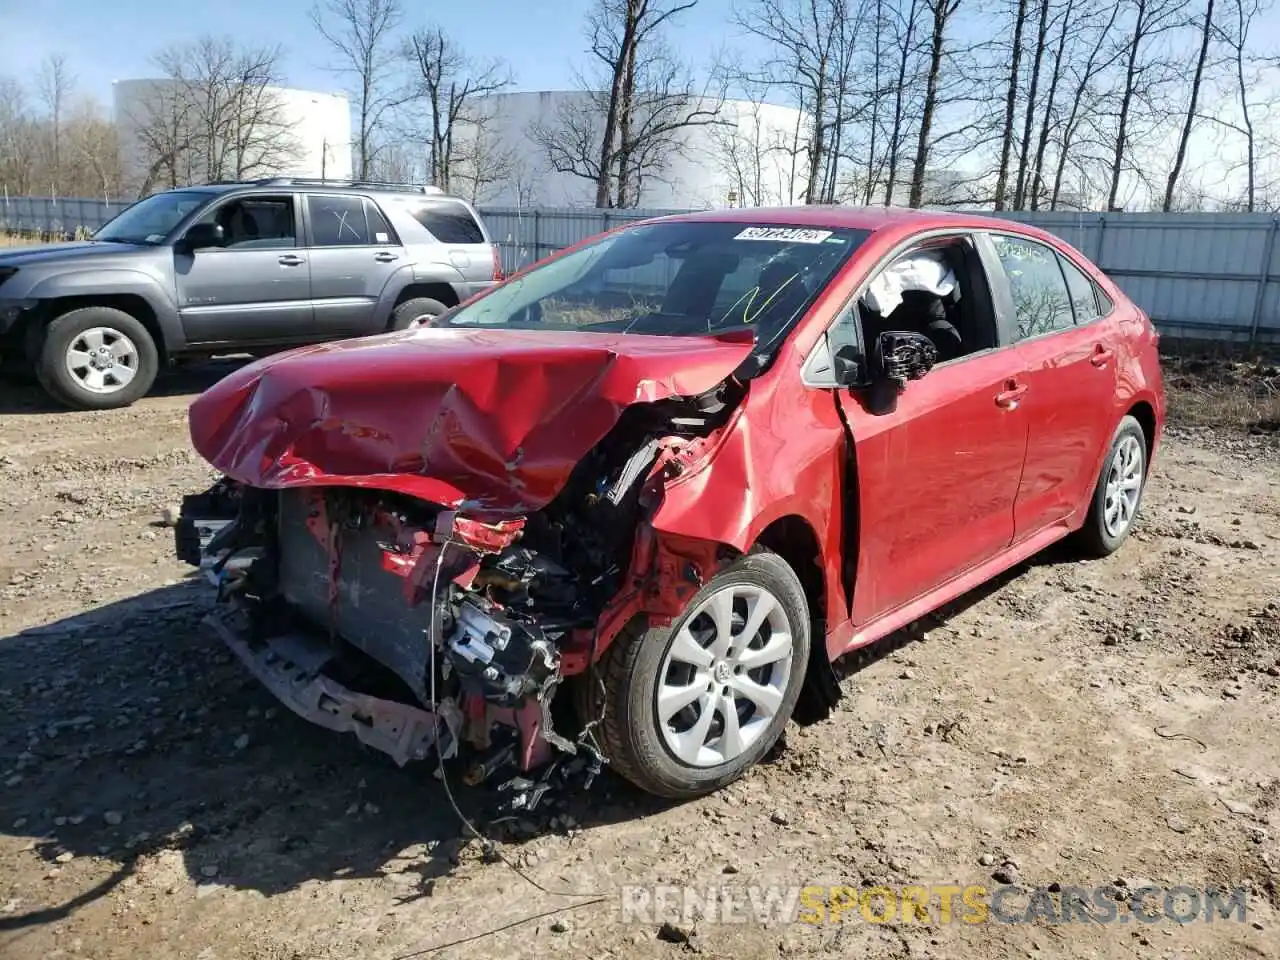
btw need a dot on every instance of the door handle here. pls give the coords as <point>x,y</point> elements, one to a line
<point>1012,393</point>
<point>290,260</point>
<point>384,257</point>
<point>1101,356</point>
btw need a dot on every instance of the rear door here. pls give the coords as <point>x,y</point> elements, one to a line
<point>354,254</point>
<point>254,288</point>
<point>1067,354</point>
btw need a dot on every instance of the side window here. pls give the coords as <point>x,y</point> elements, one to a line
<point>449,223</point>
<point>933,291</point>
<point>256,223</point>
<point>380,231</point>
<point>1040,298</point>
<point>337,221</point>
<point>1084,300</point>
<point>1105,305</point>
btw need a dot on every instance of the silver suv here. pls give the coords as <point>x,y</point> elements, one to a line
<point>246,267</point>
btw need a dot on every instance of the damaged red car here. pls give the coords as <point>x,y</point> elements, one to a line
<point>628,506</point>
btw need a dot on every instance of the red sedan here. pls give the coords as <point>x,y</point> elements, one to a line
<point>674,471</point>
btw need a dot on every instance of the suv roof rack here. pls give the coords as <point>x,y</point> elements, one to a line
<point>387,185</point>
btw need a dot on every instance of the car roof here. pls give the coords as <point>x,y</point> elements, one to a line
<point>308,187</point>
<point>857,218</point>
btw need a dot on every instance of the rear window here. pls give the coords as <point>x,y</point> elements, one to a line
<point>449,222</point>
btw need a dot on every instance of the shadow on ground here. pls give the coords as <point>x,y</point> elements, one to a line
<point>130,731</point>
<point>23,395</point>
<point>135,732</point>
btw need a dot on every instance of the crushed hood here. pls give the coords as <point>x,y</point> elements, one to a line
<point>493,419</point>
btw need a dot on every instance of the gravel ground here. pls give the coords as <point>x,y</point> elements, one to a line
<point>1084,724</point>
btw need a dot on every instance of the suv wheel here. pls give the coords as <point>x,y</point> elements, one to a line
<point>418,312</point>
<point>97,358</point>
<point>690,707</point>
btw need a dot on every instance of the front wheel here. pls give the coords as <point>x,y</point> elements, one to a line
<point>690,707</point>
<point>1118,493</point>
<point>97,358</point>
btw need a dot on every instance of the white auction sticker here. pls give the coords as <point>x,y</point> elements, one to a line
<point>785,234</point>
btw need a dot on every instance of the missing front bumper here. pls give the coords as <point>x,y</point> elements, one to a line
<point>290,666</point>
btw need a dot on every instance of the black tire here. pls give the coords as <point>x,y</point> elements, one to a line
<point>61,384</point>
<point>1095,538</point>
<point>404,316</point>
<point>631,736</point>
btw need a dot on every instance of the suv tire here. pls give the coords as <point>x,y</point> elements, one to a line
<point>645,665</point>
<point>418,312</point>
<point>1117,497</point>
<point>97,358</point>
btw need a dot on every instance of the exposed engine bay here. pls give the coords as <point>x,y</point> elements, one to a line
<point>428,629</point>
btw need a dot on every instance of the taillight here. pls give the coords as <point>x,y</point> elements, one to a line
<point>497,262</point>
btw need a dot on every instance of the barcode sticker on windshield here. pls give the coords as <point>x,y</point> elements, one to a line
<point>785,234</point>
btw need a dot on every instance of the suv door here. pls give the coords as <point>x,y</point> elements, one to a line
<point>937,475</point>
<point>1066,352</point>
<point>354,254</point>
<point>256,287</point>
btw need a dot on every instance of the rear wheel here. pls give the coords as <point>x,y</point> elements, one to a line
<point>1118,494</point>
<point>418,312</point>
<point>690,707</point>
<point>97,358</point>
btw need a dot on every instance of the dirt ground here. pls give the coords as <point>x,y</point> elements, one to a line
<point>1114,722</point>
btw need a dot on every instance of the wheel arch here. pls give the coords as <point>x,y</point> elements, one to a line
<point>794,539</point>
<point>134,304</point>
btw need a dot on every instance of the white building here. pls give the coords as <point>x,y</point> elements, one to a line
<point>738,152</point>
<point>298,133</point>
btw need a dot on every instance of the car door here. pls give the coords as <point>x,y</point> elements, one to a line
<point>938,473</point>
<point>256,287</point>
<point>354,254</point>
<point>1067,354</point>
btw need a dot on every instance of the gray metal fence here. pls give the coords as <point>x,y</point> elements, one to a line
<point>1209,276</point>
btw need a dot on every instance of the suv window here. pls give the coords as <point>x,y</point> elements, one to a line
<point>1040,299</point>
<point>337,221</point>
<point>380,231</point>
<point>1084,300</point>
<point>449,222</point>
<point>255,223</point>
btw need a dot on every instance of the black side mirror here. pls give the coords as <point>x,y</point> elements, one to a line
<point>847,366</point>
<point>202,235</point>
<point>901,355</point>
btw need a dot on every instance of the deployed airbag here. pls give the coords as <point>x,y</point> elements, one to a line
<point>924,270</point>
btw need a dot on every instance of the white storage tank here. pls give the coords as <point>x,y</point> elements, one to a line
<point>746,155</point>
<point>310,133</point>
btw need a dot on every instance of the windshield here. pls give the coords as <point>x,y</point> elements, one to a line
<point>677,279</point>
<point>152,219</point>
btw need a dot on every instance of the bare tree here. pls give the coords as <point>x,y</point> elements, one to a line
<point>811,46</point>
<point>481,159</point>
<point>54,86</point>
<point>1033,92</point>
<point>1010,102</point>
<point>450,85</point>
<point>1234,34</point>
<point>1150,19</point>
<point>906,25</point>
<point>630,130</point>
<point>1193,99</point>
<point>940,13</point>
<point>216,115</point>
<point>362,33</point>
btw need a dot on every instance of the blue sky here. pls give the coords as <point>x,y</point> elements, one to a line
<point>105,40</point>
